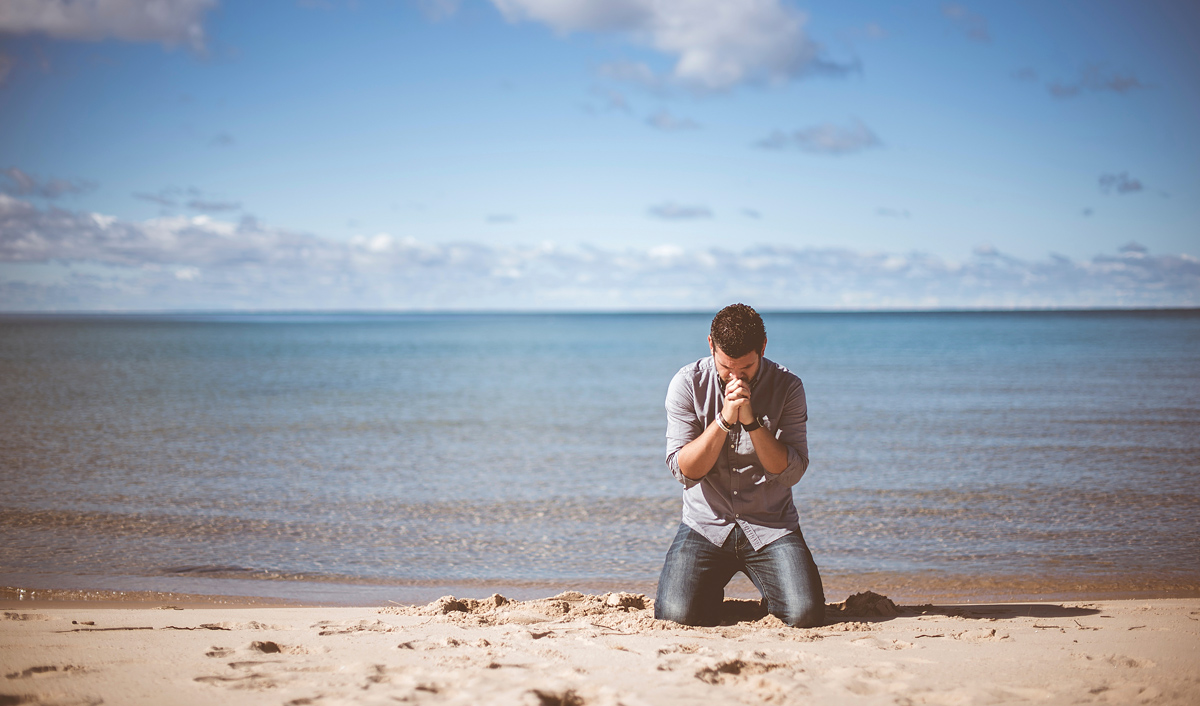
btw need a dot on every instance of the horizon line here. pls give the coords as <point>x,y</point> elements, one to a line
<point>568,312</point>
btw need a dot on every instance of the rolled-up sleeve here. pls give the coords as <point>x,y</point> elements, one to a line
<point>792,432</point>
<point>683,424</point>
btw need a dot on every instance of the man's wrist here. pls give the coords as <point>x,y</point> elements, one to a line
<point>757,423</point>
<point>721,423</point>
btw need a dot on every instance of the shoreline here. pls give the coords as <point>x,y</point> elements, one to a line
<point>600,650</point>
<point>903,589</point>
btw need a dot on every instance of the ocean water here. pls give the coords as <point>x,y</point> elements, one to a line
<point>362,458</point>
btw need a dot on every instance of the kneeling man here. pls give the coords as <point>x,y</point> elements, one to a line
<point>736,439</point>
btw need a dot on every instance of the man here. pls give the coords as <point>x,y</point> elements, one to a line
<point>736,439</point>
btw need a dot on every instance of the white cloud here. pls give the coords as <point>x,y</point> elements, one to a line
<point>716,44</point>
<point>675,212</point>
<point>168,22</point>
<point>22,184</point>
<point>203,263</point>
<point>826,138</point>
<point>633,72</point>
<point>212,206</point>
<point>973,25</point>
<point>610,100</point>
<point>663,120</point>
<point>1094,79</point>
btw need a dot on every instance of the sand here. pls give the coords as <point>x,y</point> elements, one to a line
<point>576,649</point>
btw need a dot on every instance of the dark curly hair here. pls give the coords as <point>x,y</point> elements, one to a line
<point>737,330</point>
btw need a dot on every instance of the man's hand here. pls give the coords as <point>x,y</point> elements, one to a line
<point>737,403</point>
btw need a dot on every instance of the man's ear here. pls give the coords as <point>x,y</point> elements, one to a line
<point>710,346</point>
<point>764,348</point>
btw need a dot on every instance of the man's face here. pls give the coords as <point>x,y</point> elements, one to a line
<point>744,368</point>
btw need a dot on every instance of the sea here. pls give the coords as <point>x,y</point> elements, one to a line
<point>361,458</point>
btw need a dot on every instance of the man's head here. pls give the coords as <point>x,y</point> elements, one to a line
<point>737,340</point>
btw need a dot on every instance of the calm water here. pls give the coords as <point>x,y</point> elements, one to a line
<point>359,458</point>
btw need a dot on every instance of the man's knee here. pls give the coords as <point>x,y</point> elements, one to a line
<point>673,610</point>
<point>678,609</point>
<point>809,615</point>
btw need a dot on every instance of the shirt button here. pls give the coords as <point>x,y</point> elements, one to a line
<point>738,516</point>
<point>735,492</point>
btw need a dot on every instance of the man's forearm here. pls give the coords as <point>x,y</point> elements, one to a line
<point>771,452</point>
<point>698,457</point>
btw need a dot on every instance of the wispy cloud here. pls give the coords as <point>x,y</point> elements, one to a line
<point>663,120</point>
<point>1093,79</point>
<point>500,218</point>
<point>210,206</point>
<point>167,22</point>
<point>716,44</point>
<point>975,26</point>
<point>438,10</point>
<point>160,198</point>
<point>610,101</point>
<point>631,72</point>
<point>20,183</point>
<point>201,263</point>
<point>871,30</point>
<point>222,139</point>
<point>191,197</point>
<point>671,211</point>
<point>826,138</point>
<point>1121,183</point>
<point>893,212</point>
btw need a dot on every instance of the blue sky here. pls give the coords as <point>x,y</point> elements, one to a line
<point>629,154</point>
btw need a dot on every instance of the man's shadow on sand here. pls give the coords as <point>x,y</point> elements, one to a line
<point>872,607</point>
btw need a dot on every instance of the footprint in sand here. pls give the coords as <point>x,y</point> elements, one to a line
<point>1117,661</point>
<point>44,670</point>
<point>881,644</point>
<point>245,681</point>
<point>734,670</point>
<point>349,627</point>
<point>980,635</point>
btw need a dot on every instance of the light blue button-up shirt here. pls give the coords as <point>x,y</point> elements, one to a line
<point>738,488</point>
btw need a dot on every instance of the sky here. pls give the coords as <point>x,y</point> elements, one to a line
<point>598,154</point>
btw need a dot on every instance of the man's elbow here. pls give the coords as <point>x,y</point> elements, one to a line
<point>793,471</point>
<point>677,470</point>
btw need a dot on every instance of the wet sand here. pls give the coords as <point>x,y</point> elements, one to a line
<point>608,649</point>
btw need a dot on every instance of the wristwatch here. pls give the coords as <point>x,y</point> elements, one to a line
<point>759,421</point>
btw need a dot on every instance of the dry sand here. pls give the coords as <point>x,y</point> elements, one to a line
<point>575,649</point>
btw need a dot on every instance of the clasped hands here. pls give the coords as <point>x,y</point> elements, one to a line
<point>737,409</point>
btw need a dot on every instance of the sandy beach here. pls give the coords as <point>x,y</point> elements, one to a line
<point>575,649</point>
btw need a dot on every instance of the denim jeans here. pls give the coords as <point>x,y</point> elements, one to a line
<point>694,576</point>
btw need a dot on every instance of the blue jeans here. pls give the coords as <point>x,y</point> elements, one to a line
<point>694,576</point>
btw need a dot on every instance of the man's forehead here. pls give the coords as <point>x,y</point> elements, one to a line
<point>725,359</point>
